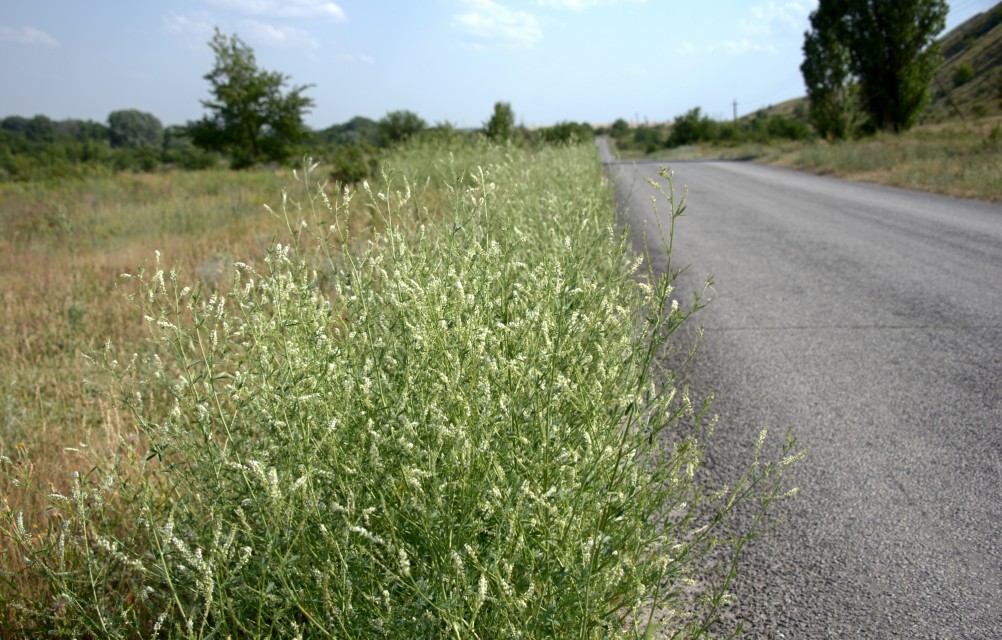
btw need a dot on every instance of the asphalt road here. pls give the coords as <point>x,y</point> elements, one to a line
<point>870,320</point>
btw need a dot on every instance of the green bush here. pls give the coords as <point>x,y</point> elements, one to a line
<point>567,133</point>
<point>962,74</point>
<point>691,128</point>
<point>620,128</point>
<point>466,432</point>
<point>648,138</point>
<point>353,163</point>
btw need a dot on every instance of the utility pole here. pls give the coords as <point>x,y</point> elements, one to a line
<point>735,110</point>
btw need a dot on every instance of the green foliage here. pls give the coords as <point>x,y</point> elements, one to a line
<point>358,130</point>
<point>37,129</point>
<point>445,134</point>
<point>567,133</point>
<point>648,138</point>
<point>398,126</point>
<point>962,74</point>
<point>761,129</point>
<point>691,128</point>
<point>501,126</point>
<point>464,431</point>
<point>695,128</point>
<point>353,163</point>
<point>620,128</point>
<point>891,49</point>
<point>181,151</point>
<point>250,118</point>
<point>832,91</point>
<point>38,148</point>
<point>135,129</point>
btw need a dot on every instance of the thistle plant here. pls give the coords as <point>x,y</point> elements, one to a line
<point>464,428</point>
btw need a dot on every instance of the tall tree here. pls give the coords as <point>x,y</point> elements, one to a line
<point>892,52</point>
<point>398,126</point>
<point>250,117</point>
<point>134,129</point>
<point>831,88</point>
<point>501,126</point>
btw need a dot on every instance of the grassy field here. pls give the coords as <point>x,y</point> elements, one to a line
<point>434,406</point>
<point>64,245</point>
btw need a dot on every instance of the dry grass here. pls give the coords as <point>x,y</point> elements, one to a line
<point>962,159</point>
<point>63,246</point>
<point>958,159</point>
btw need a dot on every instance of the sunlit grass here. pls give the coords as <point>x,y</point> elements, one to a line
<point>959,159</point>
<point>435,407</point>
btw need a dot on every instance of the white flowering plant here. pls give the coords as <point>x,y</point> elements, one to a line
<point>464,428</point>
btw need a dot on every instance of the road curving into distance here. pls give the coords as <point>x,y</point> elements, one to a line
<point>869,319</point>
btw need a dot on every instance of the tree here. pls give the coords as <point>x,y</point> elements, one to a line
<point>38,129</point>
<point>831,88</point>
<point>135,129</point>
<point>398,126</point>
<point>892,52</point>
<point>691,128</point>
<point>620,128</point>
<point>250,118</point>
<point>501,126</point>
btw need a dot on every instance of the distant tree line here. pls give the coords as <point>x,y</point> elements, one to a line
<point>252,117</point>
<point>695,127</point>
<point>130,140</point>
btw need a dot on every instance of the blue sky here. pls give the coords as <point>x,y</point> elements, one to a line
<point>446,60</point>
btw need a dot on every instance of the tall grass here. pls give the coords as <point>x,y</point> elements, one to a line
<point>461,427</point>
<point>961,159</point>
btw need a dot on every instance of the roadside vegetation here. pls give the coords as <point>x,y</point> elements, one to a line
<point>435,406</point>
<point>427,394</point>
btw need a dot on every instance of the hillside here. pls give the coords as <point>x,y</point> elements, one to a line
<point>956,94</point>
<point>972,50</point>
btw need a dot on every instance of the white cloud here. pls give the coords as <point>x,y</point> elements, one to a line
<point>277,35</point>
<point>26,35</point>
<point>489,20</point>
<point>581,4</point>
<point>766,19</point>
<point>763,25</point>
<point>195,24</point>
<point>285,8</point>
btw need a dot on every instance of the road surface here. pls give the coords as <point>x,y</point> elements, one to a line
<point>870,320</point>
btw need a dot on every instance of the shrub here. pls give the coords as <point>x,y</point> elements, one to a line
<point>620,128</point>
<point>467,433</point>
<point>353,163</point>
<point>648,138</point>
<point>962,74</point>
<point>567,133</point>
